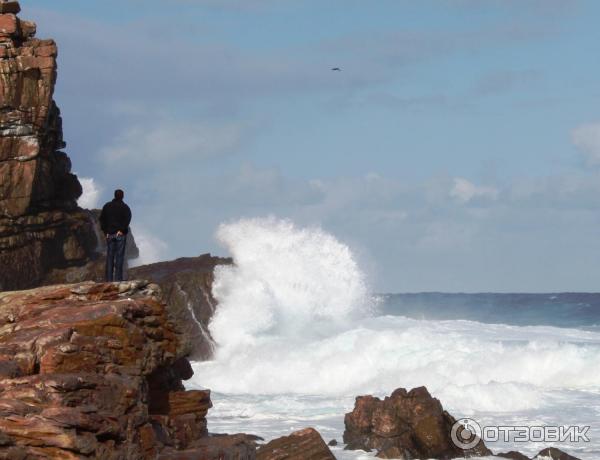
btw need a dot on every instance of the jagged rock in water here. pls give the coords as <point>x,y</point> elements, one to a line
<point>41,227</point>
<point>513,455</point>
<point>549,453</point>
<point>305,444</point>
<point>186,284</point>
<point>94,370</point>
<point>554,454</point>
<point>406,425</point>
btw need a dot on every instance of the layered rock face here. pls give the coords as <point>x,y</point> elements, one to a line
<point>41,227</point>
<point>186,284</point>
<point>93,370</point>
<point>406,425</point>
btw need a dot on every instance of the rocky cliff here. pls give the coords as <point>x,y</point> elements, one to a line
<point>186,284</point>
<point>94,371</point>
<point>41,227</point>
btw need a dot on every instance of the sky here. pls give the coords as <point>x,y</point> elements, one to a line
<point>458,149</point>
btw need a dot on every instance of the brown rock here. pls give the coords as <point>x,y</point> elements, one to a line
<point>514,455</point>
<point>393,452</point>
<point>10,7</point>
<point>8,24</point>
<point>186,284</point>
<point>554,454</point>
<point>305,444</point>
<point>36,245</point>
<point>215,447</point>
<point>41,228</point>
<point>78,363</point>
<point>404,425</point>
<point>28,29</point>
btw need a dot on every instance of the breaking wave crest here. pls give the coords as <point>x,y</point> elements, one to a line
<point>295,317</point>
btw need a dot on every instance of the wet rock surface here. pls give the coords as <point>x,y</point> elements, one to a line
<point>551,453</point>
<point>94,370</point>
<point>514,455</point>
<point>305,444</point>
<point>407,425</point>
<point>554,454</point>
<point>41,227</point>
<point>186,285</point>
<point>217,447</point>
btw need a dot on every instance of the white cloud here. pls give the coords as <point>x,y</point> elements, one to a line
<point>152,249</point>
<point>174,141</point>
<point>464,191</point>
<point>91,193</point>
<point>587,139</point>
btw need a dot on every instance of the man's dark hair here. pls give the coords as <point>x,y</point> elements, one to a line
<point>119,194</point>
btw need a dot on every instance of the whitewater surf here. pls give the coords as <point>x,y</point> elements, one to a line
<point>299,335</point>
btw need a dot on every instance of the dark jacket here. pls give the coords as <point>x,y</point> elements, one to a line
<point>115,217</point>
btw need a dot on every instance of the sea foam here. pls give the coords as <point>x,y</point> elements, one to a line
<point>295,317</point>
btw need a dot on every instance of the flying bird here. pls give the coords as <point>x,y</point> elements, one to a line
<point>336,69</point>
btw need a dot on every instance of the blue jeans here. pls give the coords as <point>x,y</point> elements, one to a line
<point>115,257</point>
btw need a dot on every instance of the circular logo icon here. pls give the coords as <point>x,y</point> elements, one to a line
<point>466,433</point>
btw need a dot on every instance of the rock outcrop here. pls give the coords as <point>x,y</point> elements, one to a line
<point>41,227</point>
<point>548,453</point>
<point>554,454</point>
<point>215,447</point>
<point>406,425</point>
<point>305,444</point>
<point>513,455</point>
<point>186,284</point>
<point>94,370</point>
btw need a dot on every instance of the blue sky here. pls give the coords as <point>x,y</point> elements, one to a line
<point>458,149</point>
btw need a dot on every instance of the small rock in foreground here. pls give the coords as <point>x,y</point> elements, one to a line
<point>513,455</point>
<point>406,425</point>
<point>554,454</point>
<point>305,444</point>
<point>548,453</point>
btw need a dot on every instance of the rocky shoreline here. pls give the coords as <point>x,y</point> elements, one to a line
<point>95,370</point>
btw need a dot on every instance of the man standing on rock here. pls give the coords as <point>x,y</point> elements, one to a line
<point>114,220</point>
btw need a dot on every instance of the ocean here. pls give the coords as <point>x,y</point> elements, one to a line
<point>299,335</point>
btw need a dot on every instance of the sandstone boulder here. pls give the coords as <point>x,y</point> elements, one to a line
<point>305,444</point>
<point>513,455</point>
<point>554,454</point>
<point>406,425</point>
<point>551,453</point>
